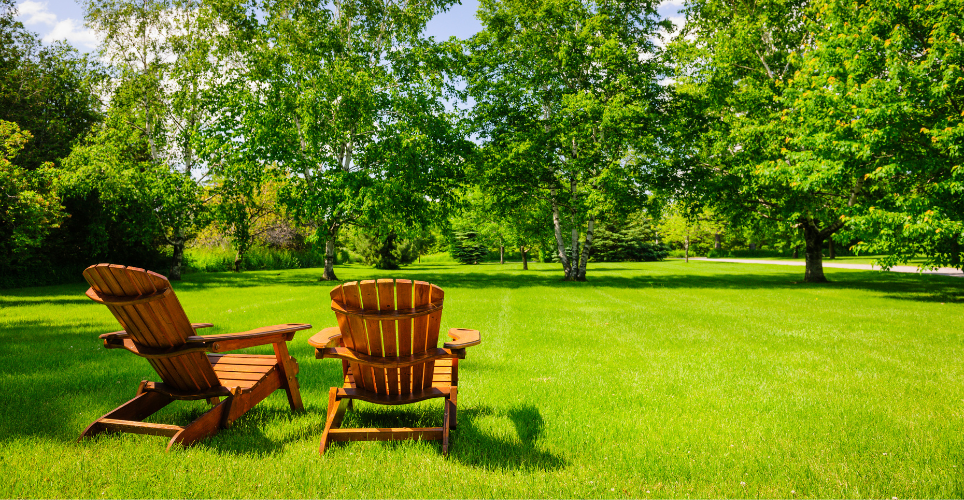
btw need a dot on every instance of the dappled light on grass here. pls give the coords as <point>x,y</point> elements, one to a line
<point>649,380</point>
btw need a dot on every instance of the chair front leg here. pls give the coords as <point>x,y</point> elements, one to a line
<point>288,369</point>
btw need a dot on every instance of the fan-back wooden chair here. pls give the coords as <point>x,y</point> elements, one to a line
<point>387,339</point>
<point>156,328</point>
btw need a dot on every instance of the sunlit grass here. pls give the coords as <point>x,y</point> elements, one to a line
<point>651,380</point>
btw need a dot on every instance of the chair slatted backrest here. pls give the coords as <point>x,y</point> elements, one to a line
<point>390,337</point>
<point>156,319</point>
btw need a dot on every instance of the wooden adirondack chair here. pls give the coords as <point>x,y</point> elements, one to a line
<point>387,338</point>
<point>156,328</point>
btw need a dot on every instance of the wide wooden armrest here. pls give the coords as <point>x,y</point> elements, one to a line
<point>259,336</point>
<point>387,361</point>
<point>329,337</point>
<point>116,337</point>
<point>462,338</point>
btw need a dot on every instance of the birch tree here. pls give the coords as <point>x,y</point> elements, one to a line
<point>347,98</point>
<point>161,54</point>
<point>566,97</point>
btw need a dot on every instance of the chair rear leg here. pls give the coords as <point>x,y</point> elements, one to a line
<point>446,425</point>
<point>140,407</point>
<point>453,402</point>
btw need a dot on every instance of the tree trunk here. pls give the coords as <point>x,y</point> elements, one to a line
<point>238,258</point>
<point>586,248</point>
<point>501,254</point>
<point>752,247</point>
<point>831,254</point>
<point>177,260</point>
<point>686,247</point>
<point>796,252</point>
<point>956,253</point>
<point>329,274</point>
<point>717,244</point>
<point>813,254</point>
<point>525,261</point>
<point>560,244</point>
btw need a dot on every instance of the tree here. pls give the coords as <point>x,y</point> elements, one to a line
<point>347,98</point>
<point>163,58</point>
<point>566,96</point>
<point>733,136</point>
<point>29,205</point>
<point>879,102</point>
<point>49,91</point>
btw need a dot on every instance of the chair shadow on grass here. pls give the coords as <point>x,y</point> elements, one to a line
<point>469,444</point>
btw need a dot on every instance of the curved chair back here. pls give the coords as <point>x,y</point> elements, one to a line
<point>389,318</point>
<point>146,307</point>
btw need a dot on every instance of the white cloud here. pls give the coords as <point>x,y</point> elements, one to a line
<point>673,3</point>
<point>35,13</point>
<point>74,32</point>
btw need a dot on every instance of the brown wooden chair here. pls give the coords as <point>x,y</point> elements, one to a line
<point>387,339</point>
<point>156,328</point>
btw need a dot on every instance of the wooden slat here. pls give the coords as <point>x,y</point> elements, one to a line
<point>244,384</point>
<point>421,297</point>
<point>386,302</point>
<point>369,295</point>
<point>140,427</point>
<point>241,375</point>
<point>242,359</point>
<point>358,334</point>
<point>432,329</point>
<point>386,434</point>
<point>403,293</point>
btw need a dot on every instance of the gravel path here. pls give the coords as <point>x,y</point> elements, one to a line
<point>944,271</point>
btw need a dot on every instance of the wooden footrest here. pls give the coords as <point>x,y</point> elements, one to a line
<point>385,434</point>
<point>140,427</point>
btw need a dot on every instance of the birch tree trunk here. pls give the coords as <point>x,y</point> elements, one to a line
<point>525,262</point>
<point>586,248</point>
<point>560,244</point>
<point>329,274</point>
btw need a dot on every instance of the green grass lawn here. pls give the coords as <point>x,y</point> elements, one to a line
<point>651,380</point>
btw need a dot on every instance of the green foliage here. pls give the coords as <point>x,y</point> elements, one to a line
<point>467,247</point>
<point>385,251</point>
<point>29,205</point>
<point>49,90</point>
<point>633,240</point>
<point>258,257</point>
<point>566,96</point>
<point>880,97</point>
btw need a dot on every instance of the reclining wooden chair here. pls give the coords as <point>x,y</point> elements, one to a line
<point>156,328</point>
<point>387,337</point>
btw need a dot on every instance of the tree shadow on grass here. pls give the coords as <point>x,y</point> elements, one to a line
<point>723,276</point>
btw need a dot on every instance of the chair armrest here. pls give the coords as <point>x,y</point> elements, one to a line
<point>117,337</point>
<point>250,338</point>
<point>462,338</point>
<point>329,337</point>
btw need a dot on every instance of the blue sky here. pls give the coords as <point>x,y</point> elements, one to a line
<point>64,20</point>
